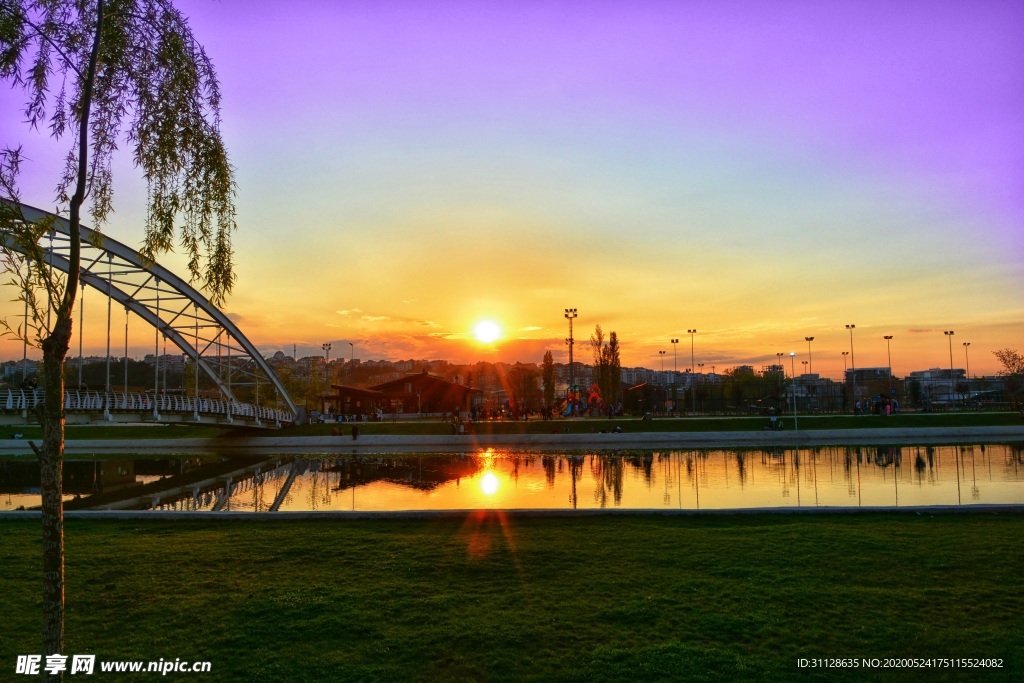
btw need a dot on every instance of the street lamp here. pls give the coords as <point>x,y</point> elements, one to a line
<point>845,354</point>
<point>661,354</point>
<point>570,313</point>
<point>701,366</point>
<point>888,353</point>
<point>675,358</point>
<point>810,360</point>
<point>782,370</point>
<point>692,365</point>
<point>952,396</point>
<point>126,350</point>
<point>792,389</point>
<point>853,365</point>
<point>967,360</point>
<point>352,362</point>
<point>327,360</point>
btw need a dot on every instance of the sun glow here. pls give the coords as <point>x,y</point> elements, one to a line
<point>489,484</point>
<point>487,331</point>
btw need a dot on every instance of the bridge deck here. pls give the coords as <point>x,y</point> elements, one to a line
<point>17,406</point>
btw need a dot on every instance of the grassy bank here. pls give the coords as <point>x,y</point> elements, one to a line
<point>413,427</point>
<point>587,599</point>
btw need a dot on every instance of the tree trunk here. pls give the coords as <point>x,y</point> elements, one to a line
<point>51,460</point>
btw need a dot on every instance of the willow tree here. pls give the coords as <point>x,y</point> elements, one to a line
<point>98,74</point>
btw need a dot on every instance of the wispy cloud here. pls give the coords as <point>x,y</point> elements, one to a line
<point>373,318</point>
<point>348,311</point>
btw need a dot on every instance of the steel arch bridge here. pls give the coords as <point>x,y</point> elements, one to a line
<point>180,314</point>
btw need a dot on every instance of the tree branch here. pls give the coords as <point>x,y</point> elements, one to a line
<point>44,36</point>
<point>75,246</point>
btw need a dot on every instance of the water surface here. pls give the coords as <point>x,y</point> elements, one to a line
<point>818,477</point>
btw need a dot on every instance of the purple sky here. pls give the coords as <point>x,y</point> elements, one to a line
<point>875,147</point>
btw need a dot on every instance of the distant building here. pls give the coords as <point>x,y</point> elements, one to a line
<point>415,393</point>
<point>940,385</point>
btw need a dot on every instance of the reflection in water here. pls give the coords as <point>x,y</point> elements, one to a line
<point>689,479</point>
<point>489,484</point>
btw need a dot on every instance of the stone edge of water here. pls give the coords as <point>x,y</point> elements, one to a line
<point>995,509</point>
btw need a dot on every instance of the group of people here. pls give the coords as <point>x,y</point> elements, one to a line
<point>878,405</point>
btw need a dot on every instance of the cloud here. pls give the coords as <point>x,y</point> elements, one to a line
<point>349,311</point>
<point>427,323</point>
<point>374,318</point>
<point>531,328</point>
<point>921,331</point>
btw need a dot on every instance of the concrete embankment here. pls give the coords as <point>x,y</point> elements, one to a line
<point>263,445</point>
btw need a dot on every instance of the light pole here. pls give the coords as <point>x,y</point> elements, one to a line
<point>570,313</point>
<point>692,365</point>
<point>888,354</point>
<point>352,362</point>
<point>782,370</point>
<point>810,359</point>
<point>792,388</point>
<point>327,361</point>
<point>701,366</point>
<point>967,360</point>
<point>853,366</point>
<point>126,350</point>
<point>952,396</point>
<point>845,354</point>
<point>675,359</point>
<point>661,354</point>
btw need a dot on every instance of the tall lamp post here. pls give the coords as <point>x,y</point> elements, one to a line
<point>701,366</point>
<point>952,396</point>
<point>888,354</point>
<point>792,388</point>
<point>327,361</point>
<point>853,367</point>
<point>782,370</point>
<point>967,360</point>
<point>126,350</point>
<point>845,354</point>
<point>810,359</point>
<point>675,359</point>
<point>570,313</point>
<point>352,362</point>
<point>692,365</point>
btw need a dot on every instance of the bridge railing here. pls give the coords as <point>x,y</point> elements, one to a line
<point>16,400</point>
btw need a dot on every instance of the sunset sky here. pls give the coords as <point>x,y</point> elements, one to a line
<point>758,171</point>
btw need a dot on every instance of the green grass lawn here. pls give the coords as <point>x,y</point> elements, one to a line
<point>736,597</point>
<point>575,426</point>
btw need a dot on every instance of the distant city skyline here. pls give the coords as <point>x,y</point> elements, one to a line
<point>759,172</point>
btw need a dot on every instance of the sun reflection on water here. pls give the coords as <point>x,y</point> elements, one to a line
<point>489,484</point>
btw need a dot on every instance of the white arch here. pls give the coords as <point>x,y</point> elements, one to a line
<point>179,311</point>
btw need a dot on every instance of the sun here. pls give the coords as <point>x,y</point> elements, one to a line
<point>487,331</point>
